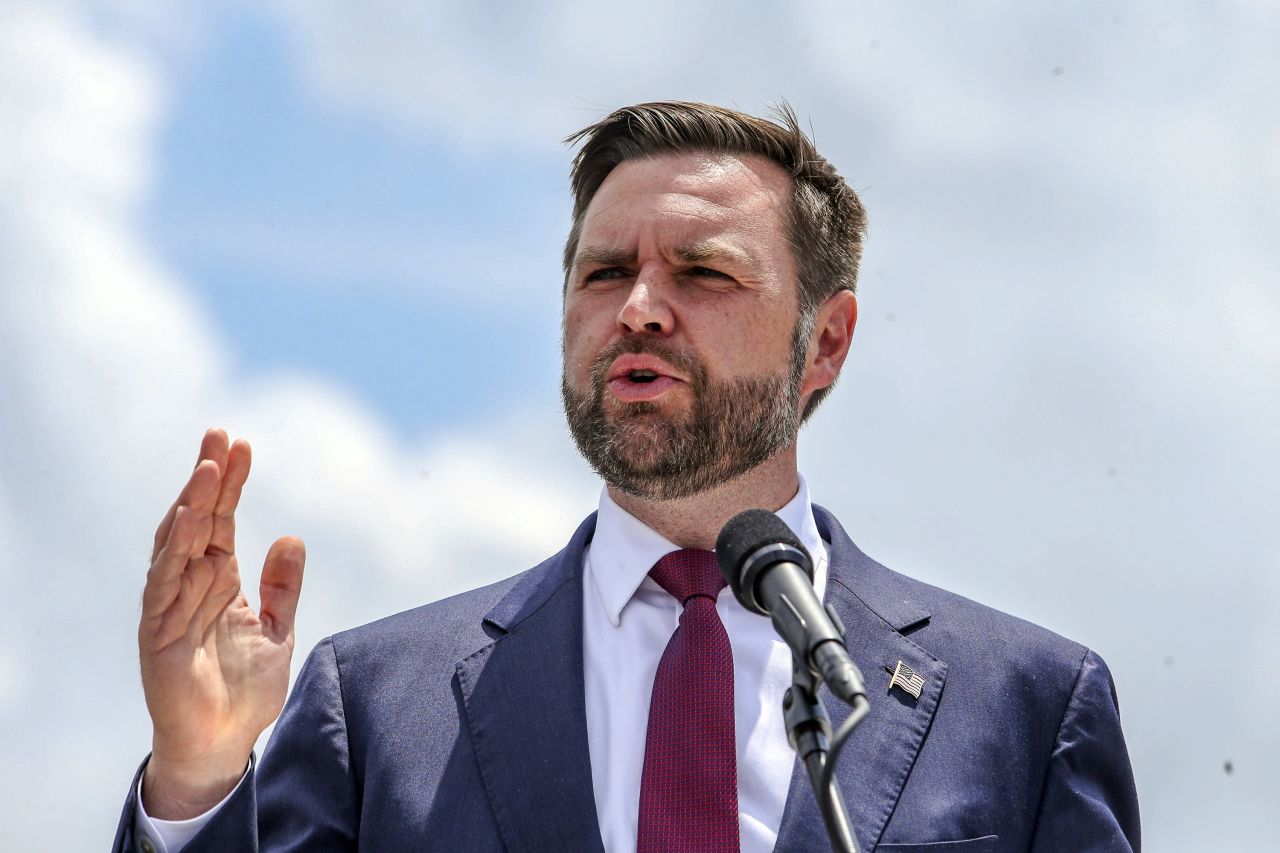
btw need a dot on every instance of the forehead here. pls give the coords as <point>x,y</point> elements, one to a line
<point>680,198</point>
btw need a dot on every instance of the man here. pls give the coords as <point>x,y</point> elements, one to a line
<point>614,697</point>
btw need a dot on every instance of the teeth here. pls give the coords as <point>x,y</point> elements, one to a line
<point>642,375</point>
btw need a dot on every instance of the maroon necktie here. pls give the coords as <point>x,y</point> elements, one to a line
<point>689,786</point>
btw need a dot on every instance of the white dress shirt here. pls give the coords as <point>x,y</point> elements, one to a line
<point>627,620</point>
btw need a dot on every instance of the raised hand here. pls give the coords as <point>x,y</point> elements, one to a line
<point>215,674</point>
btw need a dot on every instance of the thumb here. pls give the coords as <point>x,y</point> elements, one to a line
<point>282,583</point>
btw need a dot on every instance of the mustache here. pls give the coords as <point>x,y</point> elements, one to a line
<point>686,362</point>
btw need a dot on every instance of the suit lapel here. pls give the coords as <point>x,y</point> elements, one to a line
<point>878,758</point>
<point>523,699</point>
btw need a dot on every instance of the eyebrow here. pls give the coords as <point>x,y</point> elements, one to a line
<point>691,253</point>
<point>710,250</point>
<point>605,257</point>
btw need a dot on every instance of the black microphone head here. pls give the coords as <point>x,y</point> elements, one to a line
<point>752,541</point>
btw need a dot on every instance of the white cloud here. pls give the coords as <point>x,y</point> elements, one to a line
<point>1071,413</point>
<point>515,76</point>
<point>111,372</point>
<point>52,151</point>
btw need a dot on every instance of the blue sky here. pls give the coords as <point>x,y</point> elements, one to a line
<point>335,230</point>
<point>337,246</point>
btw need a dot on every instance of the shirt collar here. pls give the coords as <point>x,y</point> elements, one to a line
<point>624,549</point>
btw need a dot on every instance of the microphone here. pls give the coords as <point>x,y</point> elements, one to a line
<point>771,573</point>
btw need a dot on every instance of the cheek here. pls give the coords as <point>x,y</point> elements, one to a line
<point>581,344</point>
<point>756,346</point>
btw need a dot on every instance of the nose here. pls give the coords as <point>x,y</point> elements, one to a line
<point>646,309</point>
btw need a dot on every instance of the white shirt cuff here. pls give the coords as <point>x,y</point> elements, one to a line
<point>153,835</point>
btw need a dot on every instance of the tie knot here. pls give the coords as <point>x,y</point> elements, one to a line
<point>689,572</point>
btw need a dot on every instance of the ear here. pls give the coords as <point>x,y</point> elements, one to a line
<point>830,341</point>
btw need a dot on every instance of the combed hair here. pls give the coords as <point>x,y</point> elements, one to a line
<point>826,223</point>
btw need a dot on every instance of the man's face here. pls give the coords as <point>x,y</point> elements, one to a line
<point>679,314</point>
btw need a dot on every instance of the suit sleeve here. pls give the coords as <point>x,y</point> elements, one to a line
<point>303,794</point>
<point>1089,801</point>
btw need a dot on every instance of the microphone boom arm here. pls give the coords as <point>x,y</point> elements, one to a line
<point>809,731</point>
<point>771,573</point>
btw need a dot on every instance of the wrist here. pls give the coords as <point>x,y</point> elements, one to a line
<point>178,790</point>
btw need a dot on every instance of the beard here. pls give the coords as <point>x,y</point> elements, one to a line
<point>734,426</point>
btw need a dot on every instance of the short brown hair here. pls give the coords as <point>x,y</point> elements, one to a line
<point>826,222</point>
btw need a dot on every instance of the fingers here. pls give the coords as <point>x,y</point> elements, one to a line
<point>183,594</point>
<point>166,568</point>
<point>282,584</point>
<point>194,575</point>
<point>193,590</point>
<point>224,585</point>
<point>237,471</point>
<point>223,534</point>
<point>200,498</point>
<point>213,447</point>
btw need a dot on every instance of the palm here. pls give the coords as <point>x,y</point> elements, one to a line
<point>215,673</point>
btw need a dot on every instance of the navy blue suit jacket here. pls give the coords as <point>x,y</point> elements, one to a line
<point>461,725</point>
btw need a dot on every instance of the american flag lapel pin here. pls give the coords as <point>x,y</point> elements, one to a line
<point>907,679</point>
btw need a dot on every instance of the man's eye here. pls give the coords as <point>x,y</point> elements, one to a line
<point>604,274</point>
<point>707,272</point>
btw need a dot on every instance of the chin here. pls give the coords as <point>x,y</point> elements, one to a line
<point>644,443</point>
<point>663,411</point>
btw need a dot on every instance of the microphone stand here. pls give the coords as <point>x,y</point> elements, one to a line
<point>809,731</point>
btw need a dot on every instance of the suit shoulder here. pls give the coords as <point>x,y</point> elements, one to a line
<point>444,616</point>
<point>415,650</point>
<point>933,617</point>
<point>969,634</point>
<point>976,617</point>
<point>456,622</point>
<point>998,662</point>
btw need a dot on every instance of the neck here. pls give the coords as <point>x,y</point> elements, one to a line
<point>695,522</point>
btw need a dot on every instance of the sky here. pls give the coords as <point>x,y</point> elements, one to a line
<point>334,230</point>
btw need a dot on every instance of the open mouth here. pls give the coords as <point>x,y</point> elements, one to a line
<point>642,376</point>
